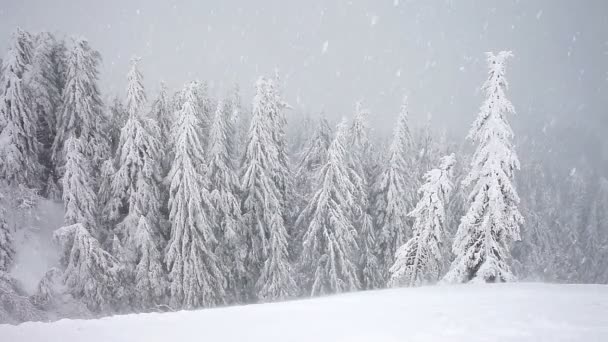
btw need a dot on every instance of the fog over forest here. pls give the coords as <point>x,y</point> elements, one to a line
<point>174,155</point>
<point>376,51</point>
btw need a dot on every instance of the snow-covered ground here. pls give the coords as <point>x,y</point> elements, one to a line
<point>501,312</point>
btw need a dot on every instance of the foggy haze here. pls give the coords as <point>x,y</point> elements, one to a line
<point>333,53</point>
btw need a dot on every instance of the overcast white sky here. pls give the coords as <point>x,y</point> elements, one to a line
<point>332,53</point>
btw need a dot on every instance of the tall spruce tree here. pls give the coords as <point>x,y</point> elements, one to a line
<point>136,185</point>
<point>18,121</point>
<point>492,221</point>
<point>393,196</point>
<point>329,251</point>
<point>363,175</point>
<point>267,257</point>
<point>45,82</point>
<point>196,275</point>
<point>422,258</point>
<point>81,114</point>
<point>162,113</point>
<point>224,195</point>
<point>90,273</point>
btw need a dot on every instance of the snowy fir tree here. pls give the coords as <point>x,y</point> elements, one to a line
<point>15,306</point>
<point>312,157</point>
<point>224,195</point>
<point>196,275</point>
<point>492,221</point>
<point>90,273</point>
<point>393,193</point>
<point>422,258</point>
<point>81,113</point>
<point>234,112</point>
<point>117,117</point>
<point>329,248</point>
<point>137,180</point>
<point>136,185</point>
<point>162,114</point>
<point>45,82</point>
<point>79,198</point>
<point>362,175</point>
<point>267,258</point>
<point>18,121</point>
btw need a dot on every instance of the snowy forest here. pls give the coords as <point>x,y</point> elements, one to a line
<point>172,199</point>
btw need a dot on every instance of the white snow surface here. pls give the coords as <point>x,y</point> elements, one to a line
<point>480,312</point>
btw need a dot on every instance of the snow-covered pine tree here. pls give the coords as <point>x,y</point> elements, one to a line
<point>267,258</point>
<point>224,195</point>
<point>44,80</point>
<point>195,273</point>
<point>234,110</point>
<point>362,176</point>
<point>79,199</point>
<point>329,251</point>
<point>19,146</point>
<point>162,113</point>
<point>422,258</point>
<point>81,114</point>
<point>136,185</point>
<point>492,221</point>
<point>90,273</point>
<point>392,192</point>
<point>117,118</point>
<point>274,106</point>
<point>311,159</point>
<point>15,305</point>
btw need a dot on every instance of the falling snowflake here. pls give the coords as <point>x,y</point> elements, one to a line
<point>374,20</point>
<point>325,45</point>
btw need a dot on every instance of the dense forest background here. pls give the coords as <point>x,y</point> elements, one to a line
<point>192,198</point>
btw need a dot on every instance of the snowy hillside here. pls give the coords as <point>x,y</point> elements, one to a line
<point>502,312</point>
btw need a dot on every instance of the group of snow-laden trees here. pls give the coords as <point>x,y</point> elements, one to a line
<point>187,201</point>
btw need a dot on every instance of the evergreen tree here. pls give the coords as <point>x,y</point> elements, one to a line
<point>195,273</point>
<point>422,258</point>
<point>363,175</point>
<point>329,248</point>
<point>267,257</point>
<point>393,196</point>
<point>79,199</point>
<point>19,146</point>
<point>482,242</point>
<point>117,119</point>
<point>90,273</point>
<point>311,159</point>
<point>224,197</point>
<point>162,114</point>
<point>136,185</point>
<point>44,80</point>
<point>81,114</point>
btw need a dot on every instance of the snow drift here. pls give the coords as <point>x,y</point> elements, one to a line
<point>497,312</point>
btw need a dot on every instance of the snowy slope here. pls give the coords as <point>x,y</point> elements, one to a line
<point>501,312</point>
